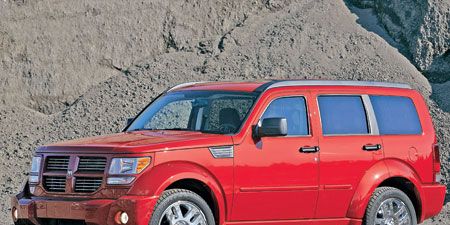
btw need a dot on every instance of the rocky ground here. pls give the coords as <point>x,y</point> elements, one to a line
<point>72,69</point>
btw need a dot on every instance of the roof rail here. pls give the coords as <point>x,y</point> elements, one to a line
<point>288,83</point>
<point>185,85</point>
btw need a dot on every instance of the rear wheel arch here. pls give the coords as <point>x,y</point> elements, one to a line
<point>389,205</point>
<point>385,173</point>
<point>407,187</point>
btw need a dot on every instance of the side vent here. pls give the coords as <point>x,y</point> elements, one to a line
<point>221,152</point>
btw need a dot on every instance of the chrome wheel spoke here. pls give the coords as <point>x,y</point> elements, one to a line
<point>170,216</point>
<point>400,211</point>
<point>404,221</point>
<point>391,208</point>
<point>178,213</point>
<point>191,213</point>
<point>183,213</point>
<point>197,220</point>
<point>392,211</point>
<point>379,221</point>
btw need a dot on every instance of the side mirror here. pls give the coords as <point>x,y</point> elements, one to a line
<point>129,120</point>
<point>271,127</point>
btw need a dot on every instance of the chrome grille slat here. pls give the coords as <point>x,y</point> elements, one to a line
<point>92,164</point>
<point>55,183</point>
<point>87,184</point>
<point>57,163</point>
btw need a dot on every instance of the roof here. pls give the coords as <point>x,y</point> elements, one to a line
<point>262,86</point>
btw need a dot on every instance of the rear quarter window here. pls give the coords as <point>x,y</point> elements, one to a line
<point>396,115</point>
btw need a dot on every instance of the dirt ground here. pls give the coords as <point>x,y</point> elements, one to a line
<point>71,69</point>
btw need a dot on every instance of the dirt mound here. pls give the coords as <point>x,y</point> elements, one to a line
<point>422,28</point>
<point>193,41</point>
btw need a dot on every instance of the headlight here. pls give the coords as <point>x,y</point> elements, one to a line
<point>121,166</point>
<point>35,169</point>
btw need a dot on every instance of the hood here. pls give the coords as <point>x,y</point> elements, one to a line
<point>139,142</point>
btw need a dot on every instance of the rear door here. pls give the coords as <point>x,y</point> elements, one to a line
<point>349,145</point>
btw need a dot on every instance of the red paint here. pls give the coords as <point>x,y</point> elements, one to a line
<point>267,182</point>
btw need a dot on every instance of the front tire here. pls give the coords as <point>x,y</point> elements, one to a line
<point>181,207</point>
<point>390,206</point>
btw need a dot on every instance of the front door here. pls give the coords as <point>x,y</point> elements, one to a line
<point>274,178</point>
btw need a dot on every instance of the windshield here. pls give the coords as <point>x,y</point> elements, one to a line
<point>221,112</point>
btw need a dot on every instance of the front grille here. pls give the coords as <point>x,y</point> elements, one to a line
<point>55,183</point>
<point>94,164</point>
<point>58,163</point>
<point>87,184</point>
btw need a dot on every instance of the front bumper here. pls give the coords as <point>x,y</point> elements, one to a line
<point>90,211</point>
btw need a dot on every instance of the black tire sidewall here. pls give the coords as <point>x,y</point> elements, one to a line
<point>390,193</point>
<point>171,196</point>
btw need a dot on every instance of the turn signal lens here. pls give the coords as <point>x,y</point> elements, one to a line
<point>142,163</point>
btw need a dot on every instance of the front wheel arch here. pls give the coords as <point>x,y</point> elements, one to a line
<point>181,205</point>
<point>164,176</point>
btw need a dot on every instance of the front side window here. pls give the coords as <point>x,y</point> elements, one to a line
<point>221,112</point>
<point>396,115</point>
<point>294,110</point>
<point>342,115</point>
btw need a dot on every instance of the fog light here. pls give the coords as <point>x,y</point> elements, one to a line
<point>124,218</point>
<point>15,213</point>
<point>121,218</point>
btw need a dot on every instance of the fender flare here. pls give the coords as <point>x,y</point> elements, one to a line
<point>372,179</point>
<point>156,180</point>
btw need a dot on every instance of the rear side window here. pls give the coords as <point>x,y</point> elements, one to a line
<point>343,115</point>
<point>294,110</point>
<point>396,115</point>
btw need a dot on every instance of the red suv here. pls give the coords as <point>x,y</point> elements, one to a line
<point>278,152</point>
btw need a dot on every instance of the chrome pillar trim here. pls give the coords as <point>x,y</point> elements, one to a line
<point>373,124</point>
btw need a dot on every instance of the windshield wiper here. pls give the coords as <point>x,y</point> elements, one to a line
<point>141,129</point>
<point>185,129</point>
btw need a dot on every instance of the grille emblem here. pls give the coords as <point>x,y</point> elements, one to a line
<point>69,173</point>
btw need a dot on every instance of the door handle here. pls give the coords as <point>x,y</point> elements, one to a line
<point>370,147</point>
<point>308,149</point>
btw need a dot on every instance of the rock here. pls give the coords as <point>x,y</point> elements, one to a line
<point>422,28</point>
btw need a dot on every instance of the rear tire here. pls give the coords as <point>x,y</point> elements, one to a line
<point>181,207</point>
<point>390,206</point>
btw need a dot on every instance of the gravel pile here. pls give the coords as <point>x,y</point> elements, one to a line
<point>421,28</point>
<point>71,92</point>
